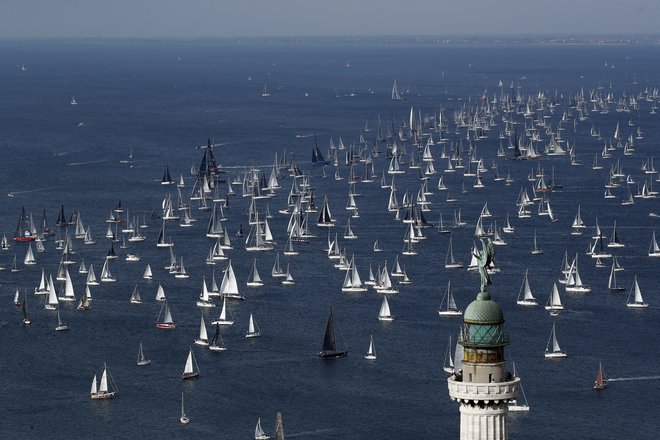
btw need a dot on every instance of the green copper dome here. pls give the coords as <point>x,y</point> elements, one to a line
<point>483,310</point>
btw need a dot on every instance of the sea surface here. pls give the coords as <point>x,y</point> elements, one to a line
<point>163,100</point>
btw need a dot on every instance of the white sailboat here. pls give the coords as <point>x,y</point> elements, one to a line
<point>525,297</point>
<point>552,349</point>
<point>61,326</point>
<point>612,284</point>
<point>135,296</point>
<point>574,281</point>
<point>225,315</point>
<point>51,301</point>
<point>91,277</point>
<point>229,285</point>
<point>259,433</point>
<point>254,280</point>
<point>147,275</point>
<point>253,329</point>
<point>536,250</point>
<point>654,249</point>
<point>141,359</point>
<point>66,293</point>
<point>384,314</point>
<point>204,299</point>
<point>514,405</point>
<point>203,338</point>
<point>106,275</point>
<point>371,352</point>
<point>160,294</point>
<point>103,391</point>
<point>191,369</point>
<point>450,262</point>
<point>554,301</point>
<point>167,322</point>
<point>352,280</point>
<point>448,364</point>
<point>29,259</point>
<point>183,418</point>
<point>448,306</point>
<point>635,299</point>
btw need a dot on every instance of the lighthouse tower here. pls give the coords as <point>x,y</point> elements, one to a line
<point>483,387</point>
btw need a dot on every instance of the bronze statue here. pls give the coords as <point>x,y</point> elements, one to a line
<point>485,257</point>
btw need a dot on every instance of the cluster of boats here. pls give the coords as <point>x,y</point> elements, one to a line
<point>411,178</point>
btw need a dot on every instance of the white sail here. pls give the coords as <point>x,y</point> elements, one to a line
<point>384,314</point>
<point>189,363</point>
<point>94,389</point>
<point>229,285</point>
<point>103,385</point>
<point>253,328</point>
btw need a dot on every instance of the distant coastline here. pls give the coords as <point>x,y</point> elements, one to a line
<point>422,40</point>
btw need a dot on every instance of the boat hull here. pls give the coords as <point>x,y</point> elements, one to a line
<point>332,354</point>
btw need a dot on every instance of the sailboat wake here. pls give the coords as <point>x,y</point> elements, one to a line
<point>87,163</point>
<point>623,379</point>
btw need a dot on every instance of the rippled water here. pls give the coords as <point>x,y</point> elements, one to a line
<point>162,100</point>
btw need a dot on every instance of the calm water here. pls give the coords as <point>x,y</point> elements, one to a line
<point>162,100</point>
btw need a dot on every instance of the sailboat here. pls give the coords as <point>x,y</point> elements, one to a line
<point>51,301</point>
<point>574,282</point>
<point>525,297</point>
<point>217,343</point>
<point>204,299</point>
<point>229,285</point>
<point>141,359</point>
<point>135,296</point>
<point>147,275</point>
<point>329,346</point>
<point>191,370</point>
<point>91,277</point>
<point>450,262</point>
<point>601,380</point>
<point>265,92</point>
<point>654,249</point>
<point>352,280</point>
<point>448,306</point>
<point>371,352</point>
<point>536,250</point>
<point>385,314</point>
<point>395,92</point>
<point>225,315</point>
<point>203,338</point>
<point>26,320</point>
<point>259,433</point>
<point>513,404</point>
<point>635,299</point>
<point>554,301</point>
<point>184,418</point>
<point>85,300</point>
<point>254,280</point>
<point>103,391</point>
<point>166,322</point>
<point>552,349</point>
<point>253,329</point>
<point>60,325</point>
<point>612,285</point>
<point>448,364</point>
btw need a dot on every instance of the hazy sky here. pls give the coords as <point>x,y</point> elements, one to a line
<point>227,18</point>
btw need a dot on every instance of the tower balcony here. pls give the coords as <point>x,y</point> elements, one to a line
<point>474,392</point>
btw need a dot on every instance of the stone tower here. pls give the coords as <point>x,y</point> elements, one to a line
<point>483,387</point>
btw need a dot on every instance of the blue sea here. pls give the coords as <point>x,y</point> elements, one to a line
<point>163,100</point>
